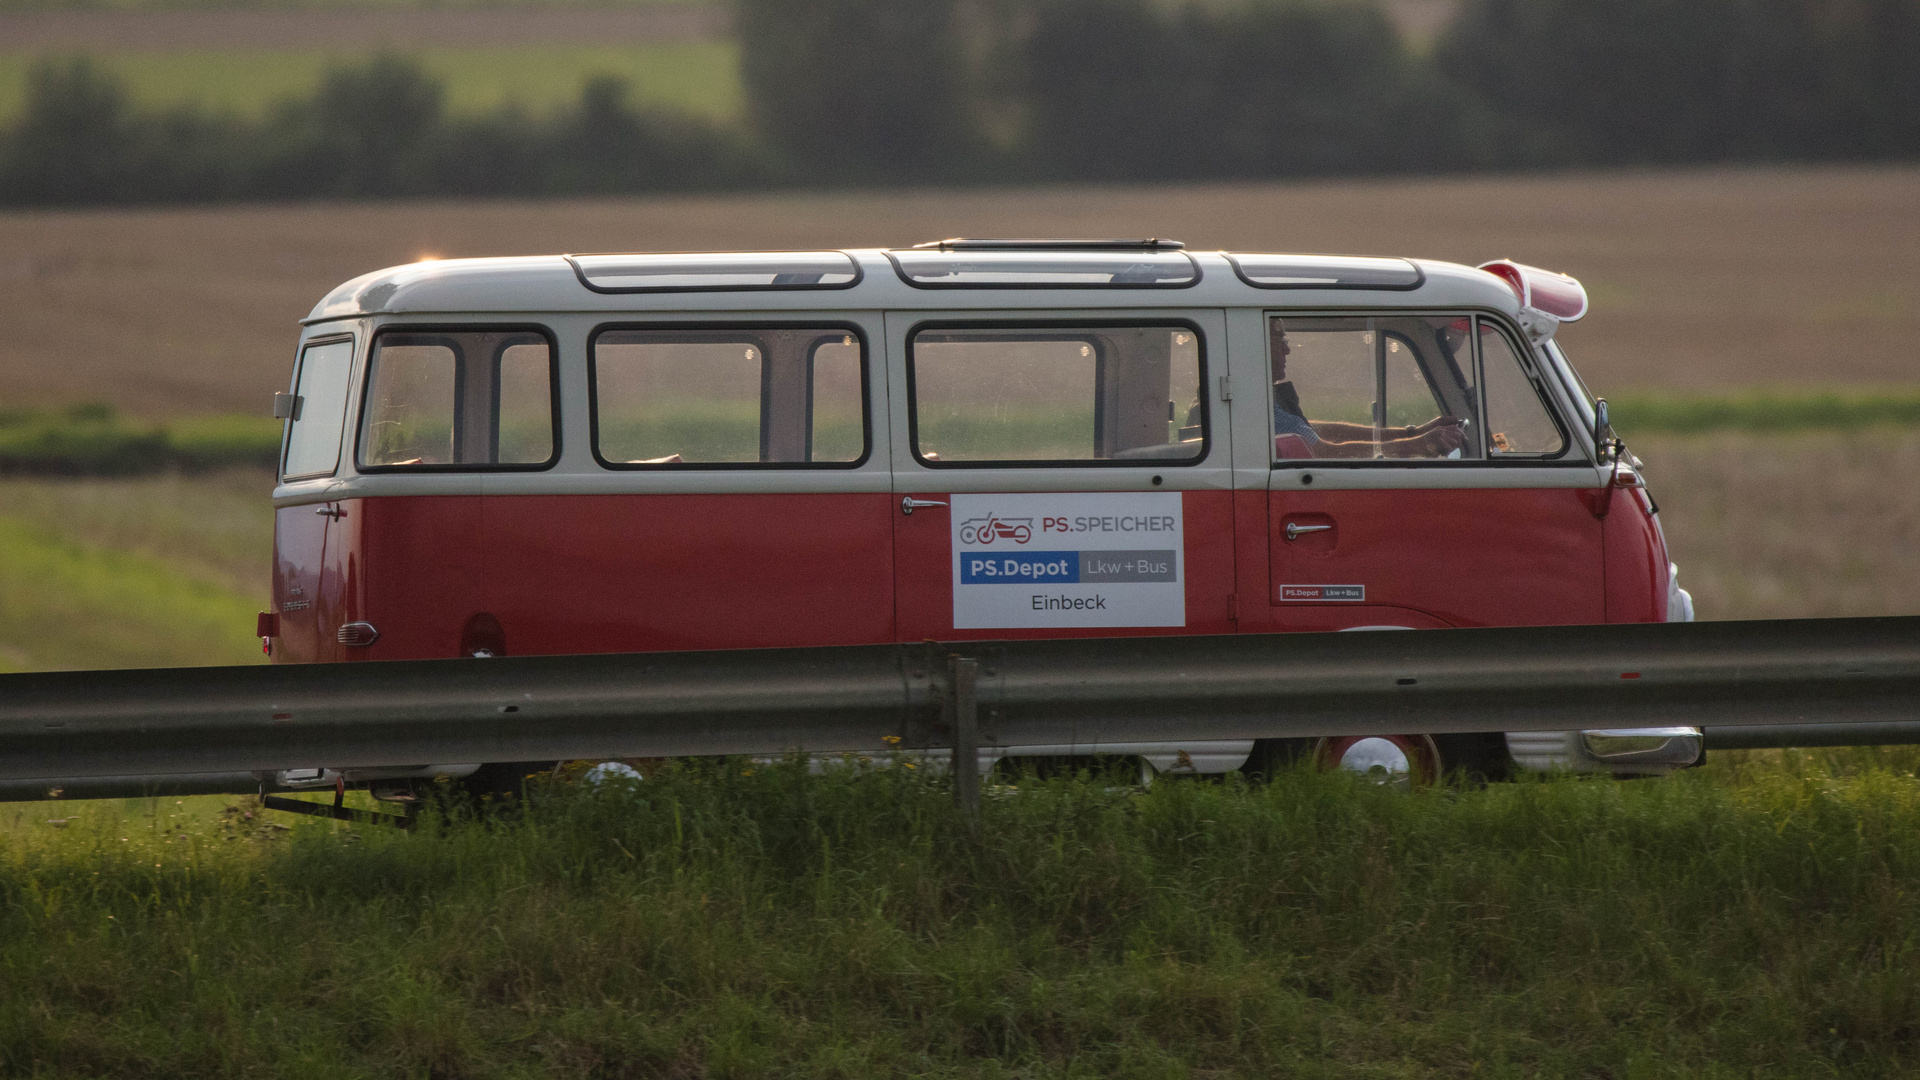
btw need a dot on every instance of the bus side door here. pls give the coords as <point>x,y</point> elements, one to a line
<point>1060,474</point>
<point>1421,478</point>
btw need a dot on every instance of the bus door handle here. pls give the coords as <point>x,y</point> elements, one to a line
<point>1294,529</point>
<point>908,503</point>
<point>334,512</point>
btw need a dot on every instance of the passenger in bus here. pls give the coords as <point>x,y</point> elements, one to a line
<point>1339,439</point>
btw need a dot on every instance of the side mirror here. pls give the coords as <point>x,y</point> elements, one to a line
<point>286,406</point>
<point>1603,437</point>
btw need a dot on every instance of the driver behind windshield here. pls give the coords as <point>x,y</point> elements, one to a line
<point>1340,439</point>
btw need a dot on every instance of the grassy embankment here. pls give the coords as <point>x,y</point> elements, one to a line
<point>1753,918</point>
<point>135,572</point>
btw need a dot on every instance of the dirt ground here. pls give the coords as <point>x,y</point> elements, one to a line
<point>1797,526</point>
<point>1700,279</point>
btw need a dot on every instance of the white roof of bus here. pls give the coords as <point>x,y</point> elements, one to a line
<point>549,283</point>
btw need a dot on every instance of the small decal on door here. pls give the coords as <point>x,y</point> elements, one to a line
<point>1321,593</point>
<point>1082,559</point>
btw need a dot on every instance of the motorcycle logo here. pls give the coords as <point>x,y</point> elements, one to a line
<point>990,529</point>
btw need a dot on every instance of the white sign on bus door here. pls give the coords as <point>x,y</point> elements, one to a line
<point>1068,560</point>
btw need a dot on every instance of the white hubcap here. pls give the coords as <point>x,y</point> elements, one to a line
<point>1379,760</point>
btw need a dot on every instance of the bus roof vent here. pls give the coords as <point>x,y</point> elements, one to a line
<point>964,243</point>
<point>1325,272</point>
<point>1025,267</point>
<point>716,271</point>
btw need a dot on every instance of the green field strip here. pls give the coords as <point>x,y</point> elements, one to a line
<point>93,440</point>
<point>698,78</point>
<point>68,604</point>
<point>1762,410</point>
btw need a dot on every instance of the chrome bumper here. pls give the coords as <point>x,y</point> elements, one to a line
<point>1618,750</point>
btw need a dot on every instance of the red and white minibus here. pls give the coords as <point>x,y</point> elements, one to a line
<point>970,439</point>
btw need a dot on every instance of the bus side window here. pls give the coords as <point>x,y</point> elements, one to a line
<point>1043,395</point>
<point>1372,387</point>
<point>837,416</point>
<point>746,396</point>
<point>525,406</point>
<point>465,399</point>
<point>1517,421</point>
<point>313,443</point>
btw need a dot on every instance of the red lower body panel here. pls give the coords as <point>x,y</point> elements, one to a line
<point>557,574</point>
<point>443,576</point>
<point>639,573</point>
<point>1464,556</point>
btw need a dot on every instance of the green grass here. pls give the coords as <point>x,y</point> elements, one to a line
<point>150,572</point>
<point>698,78</point>
<point>721,919</point>
<point>68,605</point>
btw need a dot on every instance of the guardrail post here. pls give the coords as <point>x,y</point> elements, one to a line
<point>964,708</point>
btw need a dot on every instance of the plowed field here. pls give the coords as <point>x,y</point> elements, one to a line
<point>1700,279</point>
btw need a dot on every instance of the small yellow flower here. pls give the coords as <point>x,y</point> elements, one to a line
<point>891,740</point>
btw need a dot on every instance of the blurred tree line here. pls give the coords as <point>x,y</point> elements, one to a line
<point>969,91</point>
<point>378,128</point>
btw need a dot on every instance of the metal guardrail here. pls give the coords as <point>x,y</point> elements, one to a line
<point>1776,682</point>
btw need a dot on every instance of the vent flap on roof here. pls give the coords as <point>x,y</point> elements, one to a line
<point>1045,268</point>
<point>1326,272</point>
<point>967,243</point>
<point>716,271</point>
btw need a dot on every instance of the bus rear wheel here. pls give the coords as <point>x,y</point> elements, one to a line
<point>1475,757</point>
<point>1406,761</point>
